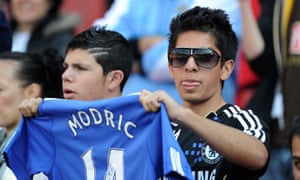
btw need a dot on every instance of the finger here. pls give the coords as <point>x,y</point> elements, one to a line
<point>27,109</point>
<point>22,107</point>
<point>144,99</point>
<point>154,106</point>
<point>34,107</point>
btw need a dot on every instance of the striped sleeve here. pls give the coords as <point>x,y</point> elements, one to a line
<point>250,122</point>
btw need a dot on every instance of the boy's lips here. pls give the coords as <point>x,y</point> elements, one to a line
<point>190,84</point>
<point>68,94</point>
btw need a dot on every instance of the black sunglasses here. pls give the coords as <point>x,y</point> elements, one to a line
<point>204,57</point>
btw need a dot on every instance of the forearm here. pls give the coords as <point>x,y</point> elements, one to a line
<point>231,143</point>
<point>155,62</point>
<point>252,41</point>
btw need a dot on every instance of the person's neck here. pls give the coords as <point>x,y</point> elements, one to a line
<point>113,94</point>
<point>26,27</point>
<point>203,108</point>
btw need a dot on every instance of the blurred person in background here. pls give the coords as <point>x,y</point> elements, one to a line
<point>276,99</point>
<point>25,75</point>
<point>39,24</point>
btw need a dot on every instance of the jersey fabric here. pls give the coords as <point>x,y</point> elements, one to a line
<point>206,163</point>
<point>103,139</point>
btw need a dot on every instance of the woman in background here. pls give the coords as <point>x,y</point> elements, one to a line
<point>38,24</point>
<point>25,75</point>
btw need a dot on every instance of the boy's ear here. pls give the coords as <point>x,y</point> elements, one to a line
<point>33,90</point>
<point>227,69</point>
<point>115,79</point>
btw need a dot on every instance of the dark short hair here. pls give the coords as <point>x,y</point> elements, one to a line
<point>44,69</point>
<point>109,48</point>
<point>213,21</point>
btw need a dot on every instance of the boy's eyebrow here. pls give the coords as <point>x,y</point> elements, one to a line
<point>75,64</point>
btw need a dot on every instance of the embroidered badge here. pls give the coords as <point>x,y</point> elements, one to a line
<point>209,155</point>
<point>295,39</point>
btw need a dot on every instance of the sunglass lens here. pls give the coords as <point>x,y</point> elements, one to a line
<point>206,60</point>
<point>178,60</point>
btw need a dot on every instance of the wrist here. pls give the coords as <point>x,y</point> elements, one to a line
<point>184,116</point>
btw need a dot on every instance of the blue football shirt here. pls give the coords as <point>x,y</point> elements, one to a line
<point>104,139</point>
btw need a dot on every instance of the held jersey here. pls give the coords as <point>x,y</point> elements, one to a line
<point>206,163</point>
<point>105,139</point>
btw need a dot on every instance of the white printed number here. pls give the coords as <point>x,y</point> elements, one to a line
<point>115,165</point>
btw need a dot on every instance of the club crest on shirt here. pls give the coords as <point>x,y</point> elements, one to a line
<point>209,155</point>
<point>295,39</point>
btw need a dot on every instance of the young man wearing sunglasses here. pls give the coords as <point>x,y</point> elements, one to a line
<point>220,140</point>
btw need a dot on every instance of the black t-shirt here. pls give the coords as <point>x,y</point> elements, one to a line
<point>205,162</point>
